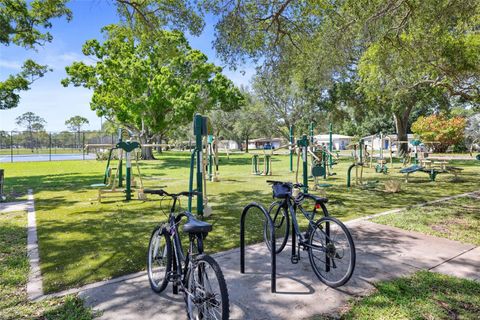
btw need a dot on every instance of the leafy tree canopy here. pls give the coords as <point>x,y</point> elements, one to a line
<point>150,82</point>
<point>31,122</point>
<point>439,131</point>
<point>24,24</point>
<point>76,123</point>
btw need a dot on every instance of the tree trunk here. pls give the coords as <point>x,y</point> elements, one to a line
<point>159,141</point>
<point>401,123</point>
<point>246,144</point>
<point>147,152</point>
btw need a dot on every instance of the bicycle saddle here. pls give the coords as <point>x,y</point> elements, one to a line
<point>196,226</point>
<point>317,199</point>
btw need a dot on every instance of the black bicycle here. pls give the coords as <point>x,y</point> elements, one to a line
<point>196,274</point>
<point>330,246</point>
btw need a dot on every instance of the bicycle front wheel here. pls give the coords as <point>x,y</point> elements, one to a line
<point>206,294</point>
<point>331,252</point>
<point>159,259</point>
<point>281,223</point>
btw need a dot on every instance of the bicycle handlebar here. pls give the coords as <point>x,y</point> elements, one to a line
<point>162,192</point>
<point>295,185</point>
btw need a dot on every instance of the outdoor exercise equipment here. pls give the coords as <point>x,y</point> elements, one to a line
<point>212,154</point>
<point>257,162</point>
<point>358,156</point>
<point>381,166</point>
<point>322,157</point>
<point>432,168</point>
<point>113,178</point>
<point>197,166</point>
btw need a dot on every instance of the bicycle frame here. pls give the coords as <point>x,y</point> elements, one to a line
<point>291,204</point>
<point>180,261</point>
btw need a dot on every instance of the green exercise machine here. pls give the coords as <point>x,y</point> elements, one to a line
<point>264,160</point>
<point>358,156</point>
<point>198,164</point>
<point>212,155</point>
<point>114,180</point>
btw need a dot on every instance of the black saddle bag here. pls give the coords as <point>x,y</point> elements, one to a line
<point>281,190</point>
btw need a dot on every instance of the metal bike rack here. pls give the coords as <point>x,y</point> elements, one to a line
<point>272,237</point>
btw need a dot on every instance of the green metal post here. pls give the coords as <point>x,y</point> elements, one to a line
<point>210,157</point>
<point>291,148</point>
<point>330,146</point>
<point>128,189</point>
<point>190,181</point>
<point>303,143</point>
<point>198,126</point>
<point>120,160</point>
<point>324,162</point>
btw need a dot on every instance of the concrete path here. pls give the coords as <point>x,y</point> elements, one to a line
<point>13,206</point>
<point>383,253</point>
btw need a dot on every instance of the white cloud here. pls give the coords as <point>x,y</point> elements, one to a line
<point>10,64</point>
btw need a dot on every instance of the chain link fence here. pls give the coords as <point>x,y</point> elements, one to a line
<point>17,146</point>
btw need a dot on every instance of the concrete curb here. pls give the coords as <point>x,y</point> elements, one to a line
<point>34,285</point>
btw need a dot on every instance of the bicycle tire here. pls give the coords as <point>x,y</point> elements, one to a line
<point>284,223</point>
<point>157,234</point>
<point>194,301</point>
<point>332,254</point>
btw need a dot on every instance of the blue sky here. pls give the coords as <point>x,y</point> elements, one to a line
<point>48,98</point>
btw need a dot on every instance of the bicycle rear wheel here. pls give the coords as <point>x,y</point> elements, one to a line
<point>206,293</point>
<point>281,222</point>
<point>159,259</point>
<point>331,252</point>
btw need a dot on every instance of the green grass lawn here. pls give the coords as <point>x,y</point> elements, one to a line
<point>424,295</point>
<point>82,241</point>
<point>457,219</point>
<point>14,269</point>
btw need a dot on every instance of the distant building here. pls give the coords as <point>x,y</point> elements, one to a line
<point>228,144</point>
<point>339,142</point>
<point>387,139</point>
<point>265,143</point>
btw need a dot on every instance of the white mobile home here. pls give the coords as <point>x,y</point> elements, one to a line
<point>339,142</point>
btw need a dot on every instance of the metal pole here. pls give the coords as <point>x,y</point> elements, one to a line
<point>83,145</point>
<point>50,146</point>
<point>128,190</point>
<point>11,146</point>
<point>303,143</point>
<point>291,148</point>
<point>198,131</point>
<point>330,148</point>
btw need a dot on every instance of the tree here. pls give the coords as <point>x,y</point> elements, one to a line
<point>150,82</point>
<point>439,131</point>
<point>32,123</point>
<point>402,53</point>
<point>25,24</point>
<point>76,123</point>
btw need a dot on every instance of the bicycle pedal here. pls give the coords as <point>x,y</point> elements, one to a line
<point>295,259</point>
